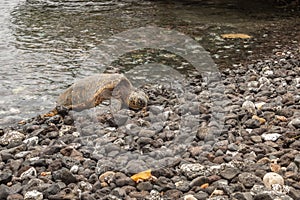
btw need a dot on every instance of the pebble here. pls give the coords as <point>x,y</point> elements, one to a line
<point>233,131</point>
<point>11,137</point>
<point>33,195</point>
<point>272,178</point>
<point>249,106</point>
<point>270,136</point>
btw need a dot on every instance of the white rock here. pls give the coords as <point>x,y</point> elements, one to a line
<point>31,172</point>
<point>33,140</point>
<point>189,197</point>
<point>74,169</point>
<point>12,136</point>
<point>270,136</point>
<point>259,105</point>
<point>264,81</point>
<point>33,195</point>
<point>249,106</point>
<point>272,178</point>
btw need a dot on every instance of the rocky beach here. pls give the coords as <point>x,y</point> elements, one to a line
<point>234,137</point>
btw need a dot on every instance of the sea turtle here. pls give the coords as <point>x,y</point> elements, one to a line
<point>91,91</point>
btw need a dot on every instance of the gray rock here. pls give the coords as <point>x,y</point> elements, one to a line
<point>232,147</point>
<point>4,191</point>
<point>295,194</point>
<point>144,186</point>
<point>229,173</point>
<point>199,181</point>
<point>295,123</point>
<point>252,123</point>
<point>64,175</point>
<point>249,179</point>
<point>5,176</point>
<point>297,160</point>
<point>14,197</point>
<point>243,196</point>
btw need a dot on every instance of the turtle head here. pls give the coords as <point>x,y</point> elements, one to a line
<point>137,100</point>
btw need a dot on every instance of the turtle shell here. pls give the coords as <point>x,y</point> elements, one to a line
<point>91,91</point>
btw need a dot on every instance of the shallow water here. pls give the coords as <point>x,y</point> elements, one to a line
<point>47,44</point>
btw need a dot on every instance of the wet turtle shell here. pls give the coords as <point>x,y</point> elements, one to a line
<point>91,91</point>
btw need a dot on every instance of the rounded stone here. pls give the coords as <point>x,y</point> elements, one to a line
<point>272,178</point>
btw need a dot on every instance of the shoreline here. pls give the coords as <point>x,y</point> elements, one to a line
<point>52,159</point>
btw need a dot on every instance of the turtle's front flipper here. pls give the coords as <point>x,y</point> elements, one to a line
<point>61,110</point>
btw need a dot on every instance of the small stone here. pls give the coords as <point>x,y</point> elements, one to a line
<point>233,147</point>
<point>229,173</point>
<point>120,119</point>
<point>107,177</point>
<point>11,137</point>
<point>252,123</point>
<point>146,133</point>
<point>270,136</point>
<point>261,120</point>
<point>297,160</point>
<point>295,194</point>
<point>192,170</point>
<point>14,197</point>
<point>272,178</point>
<point>199,181</point>
<point>31,172</point>
<point>249,106</point>
<point>32,141</point>
<point>4,191</point>
<point>256,138</point>
<point>64,175</point>
<point>295,123</point>
<point>248,179</point>
<point>5,176</point>
<point>243,196</point>
<point>33,195</point>
<point>144,186</point>
<point>172,194</point>
<point>189,197</point>
<point>74,169</point>
<point>259,105</point>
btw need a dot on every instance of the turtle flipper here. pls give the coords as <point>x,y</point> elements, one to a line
<point>61,110</point>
